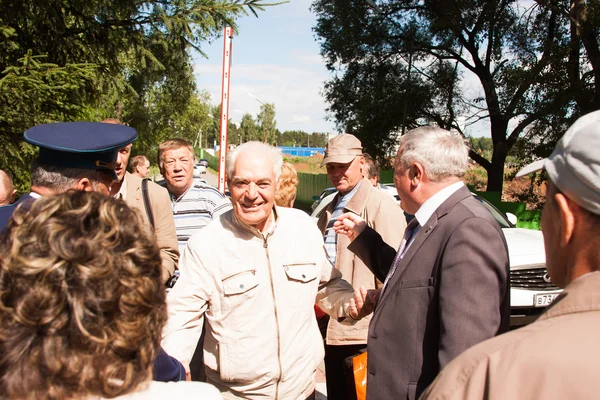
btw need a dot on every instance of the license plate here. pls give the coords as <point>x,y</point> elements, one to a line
<point>543,300</point>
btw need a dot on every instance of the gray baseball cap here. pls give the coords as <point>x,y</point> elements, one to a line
<point>574,165</point>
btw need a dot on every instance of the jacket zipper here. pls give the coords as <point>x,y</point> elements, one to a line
<point>276,319</point>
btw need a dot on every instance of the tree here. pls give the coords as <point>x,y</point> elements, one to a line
<point>266,119</point>
<point>535,64</point>
<point>123,54</point>
<point>249,131</point>
<point>34,92</point>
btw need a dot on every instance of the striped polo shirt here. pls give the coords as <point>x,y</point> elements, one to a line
<point>194,209</point>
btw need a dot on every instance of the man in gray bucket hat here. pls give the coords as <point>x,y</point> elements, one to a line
<point>557,356</point>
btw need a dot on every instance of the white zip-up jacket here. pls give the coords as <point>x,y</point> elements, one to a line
<point>257,294</point>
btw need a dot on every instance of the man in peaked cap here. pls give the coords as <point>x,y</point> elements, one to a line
<point>82,156</point>
<point>345,163</point>
<point>73,155</point>
<point>557,356</point>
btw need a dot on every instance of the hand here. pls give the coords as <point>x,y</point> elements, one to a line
<point>361,305</point>
<point>188,374</point>
<point>349,224</point>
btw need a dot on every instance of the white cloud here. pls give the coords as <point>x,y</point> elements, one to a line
<point>299,119</point>
<point>307,58</point>
<point>295,91</point>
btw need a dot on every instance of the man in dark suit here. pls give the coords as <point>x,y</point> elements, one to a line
<point>446,288</point>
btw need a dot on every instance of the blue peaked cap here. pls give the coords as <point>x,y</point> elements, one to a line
<point>91,145</point>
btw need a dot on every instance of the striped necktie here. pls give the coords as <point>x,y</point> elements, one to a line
<point>408,233</point>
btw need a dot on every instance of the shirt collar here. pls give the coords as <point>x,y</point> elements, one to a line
<point>123,189</point>
<point>268,232</point>
<point>175,199</point>
<point>428,208</point>
<point>346,197</point>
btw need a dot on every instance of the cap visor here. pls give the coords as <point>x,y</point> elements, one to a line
<point>531,168</point>
<point>340,158</point>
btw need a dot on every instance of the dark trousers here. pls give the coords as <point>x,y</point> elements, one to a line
<point>339,373</point>
<point>197,372</point>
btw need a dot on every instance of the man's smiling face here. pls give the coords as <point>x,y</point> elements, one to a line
<point>252,189</point>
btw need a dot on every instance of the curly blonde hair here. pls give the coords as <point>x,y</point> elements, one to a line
<point>82,303</point>
<point>288,182</point>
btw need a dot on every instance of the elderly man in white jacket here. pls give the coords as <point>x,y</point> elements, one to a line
<point>254,274</point>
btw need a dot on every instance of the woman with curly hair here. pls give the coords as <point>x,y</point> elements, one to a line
<point>288,182</point>
<point>82,304</point>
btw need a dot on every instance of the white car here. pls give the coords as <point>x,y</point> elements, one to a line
<point>530,287</point>
<point>199,169</point>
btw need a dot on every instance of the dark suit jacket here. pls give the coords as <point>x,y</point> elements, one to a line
<point>449,292</point>
<point>7,211</point>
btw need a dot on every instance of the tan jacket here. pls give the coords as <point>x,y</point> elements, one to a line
<point>257,295</point>
<point>164,224</point>
<point>383,215</point>
<point>556,357</point>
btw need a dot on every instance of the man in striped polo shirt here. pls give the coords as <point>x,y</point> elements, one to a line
<point>195,203</point>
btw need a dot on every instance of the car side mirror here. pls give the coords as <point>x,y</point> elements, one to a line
<point>315,197</point>
<point>512,218</point>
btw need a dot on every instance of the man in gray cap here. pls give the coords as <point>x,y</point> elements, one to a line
<point>73,155</point>
<point>344,161</point>
<point>557,356</point>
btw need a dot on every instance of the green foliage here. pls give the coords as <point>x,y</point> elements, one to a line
<point>34,92</point>
<point>88,60</point>
<point>398,64</point>
<point>266,119</point>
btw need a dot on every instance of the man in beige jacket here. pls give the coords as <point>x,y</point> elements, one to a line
<point>345,162</point>
<point>254,274</point>
<point>557,356</point>
<point>128,187</point>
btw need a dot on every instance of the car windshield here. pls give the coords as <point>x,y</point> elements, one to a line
<point>497,214</point>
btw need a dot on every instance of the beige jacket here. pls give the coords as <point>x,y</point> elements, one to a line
<point>164,224</point>
<point>257,295</point>
<point>556,357</point>
<point>383,215</point>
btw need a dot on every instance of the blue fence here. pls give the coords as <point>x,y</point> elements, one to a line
<point>301,151</point>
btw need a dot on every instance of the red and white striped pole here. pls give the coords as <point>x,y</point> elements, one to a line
<point>225,84</point>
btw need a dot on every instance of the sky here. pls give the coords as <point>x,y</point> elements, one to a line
<point>276,59</point>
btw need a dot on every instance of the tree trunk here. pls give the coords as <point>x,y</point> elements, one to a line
<point>496,169</point>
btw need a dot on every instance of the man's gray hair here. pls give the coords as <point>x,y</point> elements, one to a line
<point>259,149</point>
<point>61,179</point>
<point>443,154</point>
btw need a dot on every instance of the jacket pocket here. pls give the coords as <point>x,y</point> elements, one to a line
<point>238,288</point>
<point>226,372</point>
<point>416,283</point>
<point>301,272</point>
<point>240,282</point>
<point>302,284</point>
<point>412,391</point>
